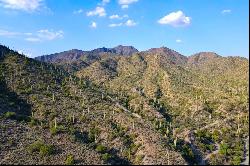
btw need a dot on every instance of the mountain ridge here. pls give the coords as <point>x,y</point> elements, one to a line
<point>74,55</point>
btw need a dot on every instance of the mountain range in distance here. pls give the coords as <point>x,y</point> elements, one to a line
<point>75,54</point>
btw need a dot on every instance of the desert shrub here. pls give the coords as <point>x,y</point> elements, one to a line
<point>41,148</point>
<point>10,115</point>
<point>101,149</point>
<point>106,157</point>
<point>46,150</point>
<point>69,160</point>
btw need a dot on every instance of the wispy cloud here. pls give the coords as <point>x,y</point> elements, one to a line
<point>39,36</point>
<point>130,23</point>
<point>226,11</point>
<point>125,3</point>
<point>175,19</point>
<point>93,24</point>
<point>115,25</point>
<point>78,11</point>
<point>25,5</point>
<point>100,11</point>
<point>27,53</point>
<point>33,39</point>
<point>116,16</point>
<point>8,33</point>
<point>46,34</point>
<point>178,41</point>
<point>104,2</point>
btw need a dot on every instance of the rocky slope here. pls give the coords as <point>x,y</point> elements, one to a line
<point>123,107</point>
<point>49,116</point>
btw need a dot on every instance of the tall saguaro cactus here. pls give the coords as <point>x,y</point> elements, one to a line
<point>55,123</point>
<point>53,97</point>
<point>175,141</point>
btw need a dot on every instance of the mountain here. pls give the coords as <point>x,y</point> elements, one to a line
<point>74,55</point>
<point>200,94</point>
<point>66,56</point>
<point>125,50</point>
<point>173,56</point>
<point>48,116</point>
<point>151,107</point>
<point>202,57</point>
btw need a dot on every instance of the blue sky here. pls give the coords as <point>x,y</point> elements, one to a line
<point>38,27</point>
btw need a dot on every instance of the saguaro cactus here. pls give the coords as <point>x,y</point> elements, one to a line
<point>53,97</point>
<point>175,141</point>
<point>168,158</point>
<point>167,132</point>
<point>73,118</point>
<point>55,123</point>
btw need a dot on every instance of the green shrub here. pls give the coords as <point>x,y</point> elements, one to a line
<point>33,122</point>
<point>101,149</point>
<point>69,160</point>
<point>35,147</point>
<point>10,115</point>
<point>139,159</point>
<point>46,150</point>
<point>106,157</point>
<point>53,130</point>
<point>43,149</point>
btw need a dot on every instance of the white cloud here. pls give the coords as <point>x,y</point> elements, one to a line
<point>124,6</point>
<point>115,16</point>
<point>25,53</point>
<point>130,23</point>
<point>78,11</point>
<point>125,3</point>
<point>100,11</point>
<point>115,25</point>
<point>175,19</point>
<point>178,41</point>
<point>33,39</point>
<point>226,11</point>
<point>39,36</point>
<point>125,16</point>
<point>28,34</point>
<point>46,34</point>
<point>26,5</point>
<point>8,33</point>
<point>105,1</point>
<point>93,25</point>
